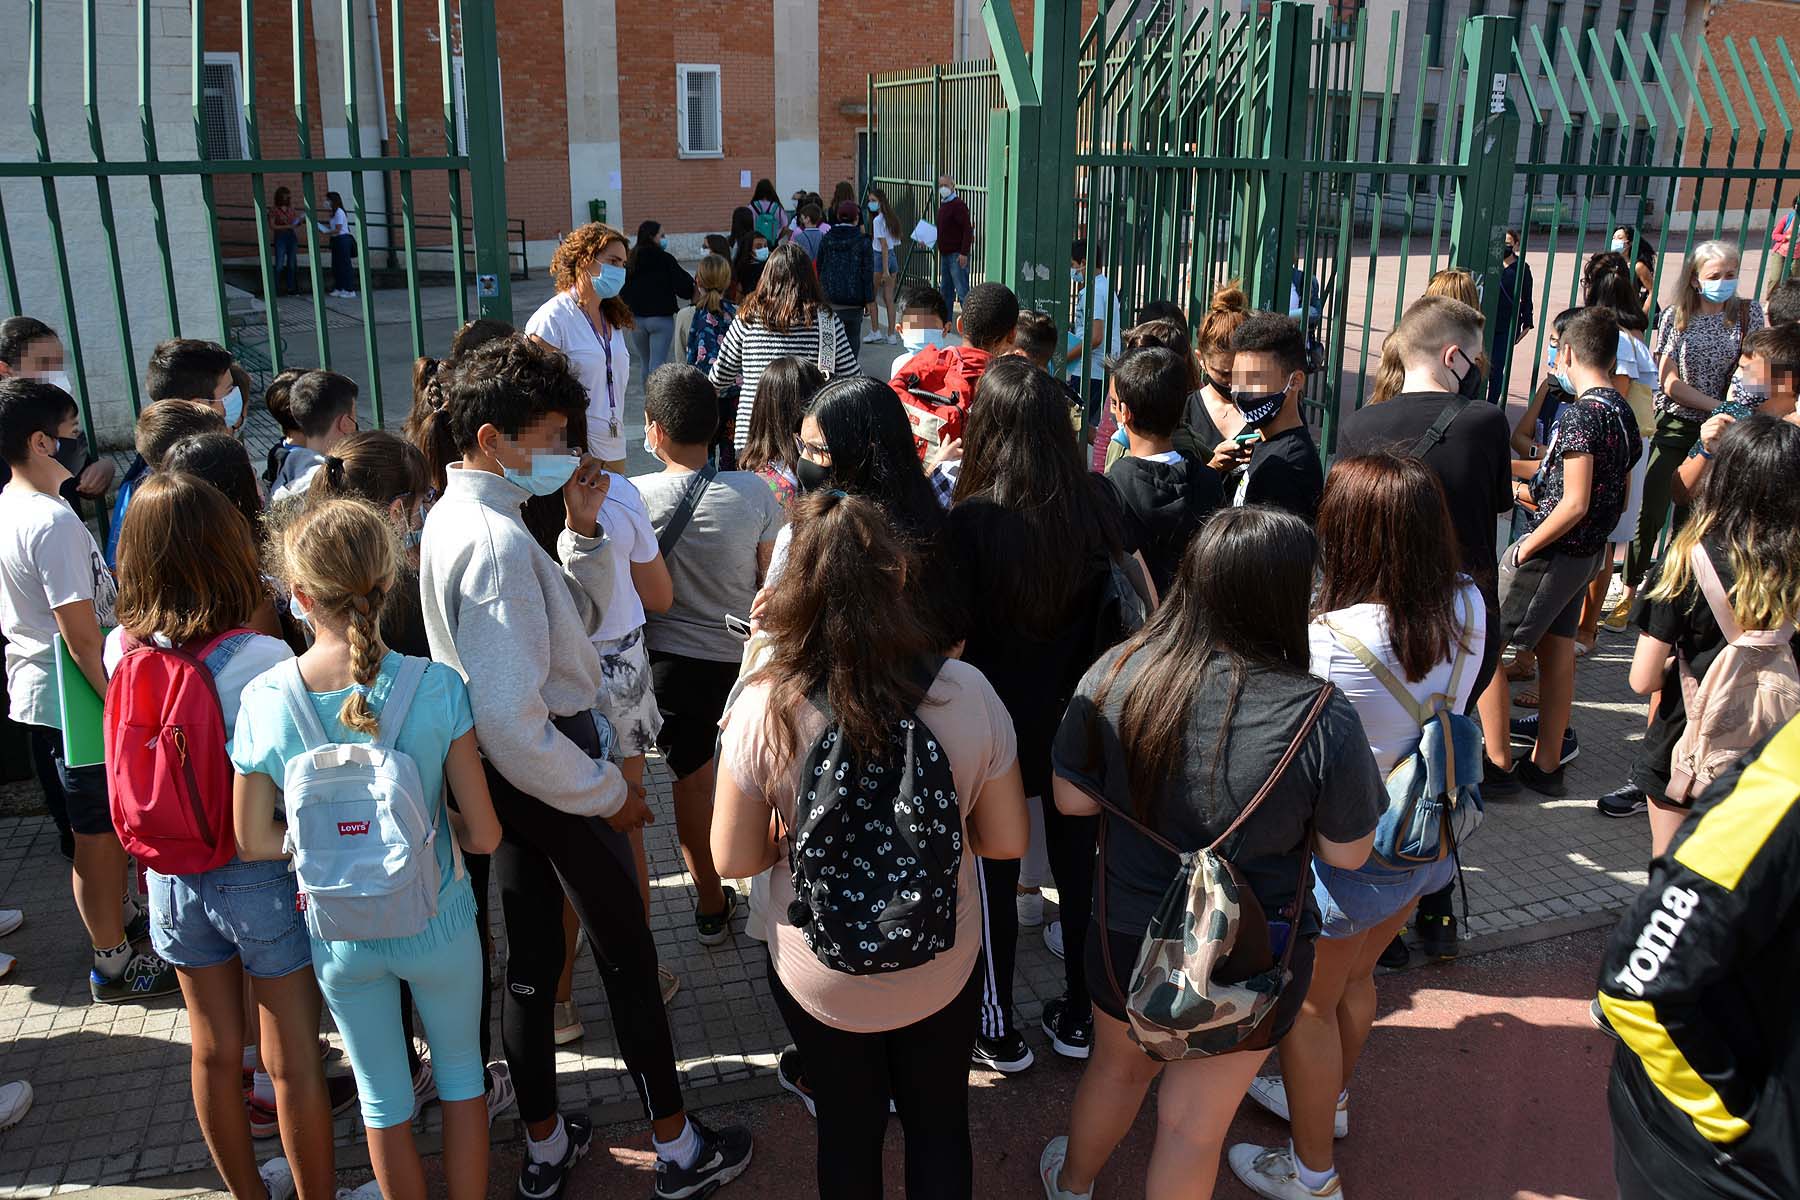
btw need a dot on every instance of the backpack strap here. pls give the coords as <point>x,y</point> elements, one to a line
<point>1306,727</point>
<point>1379,670</point>
<point>399,699</point>
<point>684,511</point>
<point>306,721</point>
<point>1439,427</point>
<point>1713,588</point>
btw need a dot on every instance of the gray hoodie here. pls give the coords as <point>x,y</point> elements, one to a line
<point>518,627</point>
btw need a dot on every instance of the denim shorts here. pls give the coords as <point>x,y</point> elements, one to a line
<point>1353,902</point>
<point>893,262</point>
<point>242,910</point>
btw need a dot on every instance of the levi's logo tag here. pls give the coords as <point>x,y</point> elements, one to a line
<point>352,828</point>
<point>300,902</point>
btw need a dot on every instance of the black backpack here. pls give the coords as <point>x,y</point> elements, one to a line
<point>875,849</point>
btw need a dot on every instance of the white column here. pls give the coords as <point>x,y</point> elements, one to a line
<point>591,67</point>
<point>796,96</point>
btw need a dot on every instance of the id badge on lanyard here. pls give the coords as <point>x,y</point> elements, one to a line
<point>612,403</point>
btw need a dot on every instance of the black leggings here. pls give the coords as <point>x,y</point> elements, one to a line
<point>923,1067</point>
<point>545,853</point>
<point>1069,842</point>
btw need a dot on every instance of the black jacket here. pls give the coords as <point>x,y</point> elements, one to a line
<point>1164,504</point>
<point>656,284</point>
<point>1702,984</point>
<point>846,267</point>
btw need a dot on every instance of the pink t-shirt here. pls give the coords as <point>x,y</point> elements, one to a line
<point>969,721</point>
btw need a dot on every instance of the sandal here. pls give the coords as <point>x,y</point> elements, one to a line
<point>1522,669</point>
<point>1527,698</point>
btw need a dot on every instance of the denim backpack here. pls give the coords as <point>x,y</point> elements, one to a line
<point>360,828</point>
<point>1434,793</point>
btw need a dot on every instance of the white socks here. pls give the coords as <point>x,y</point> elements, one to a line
<point>684,1151</point>
<point>110,964</point>
<point>1312,1180</point>
<point>552,1148</point>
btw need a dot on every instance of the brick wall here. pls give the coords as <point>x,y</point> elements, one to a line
<point>1765,20</point>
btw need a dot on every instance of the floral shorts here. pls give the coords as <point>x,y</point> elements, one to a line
<point>625,696</point>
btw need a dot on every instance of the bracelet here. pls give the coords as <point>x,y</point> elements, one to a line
<point>1704,452</point>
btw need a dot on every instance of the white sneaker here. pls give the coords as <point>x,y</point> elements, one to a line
<point>1050,1165</point>
<point>368,1191</point>
<point>1270,1091</point>
<point>1053,938</point>
<point>567,1023</point>
<point>7,963</point>
<point>15,1102</point>
<point>1269,1171</point>
<point>10,919</point>
<point>1031,909</point>
<point>500,1093</point>
<point>278,1177</point>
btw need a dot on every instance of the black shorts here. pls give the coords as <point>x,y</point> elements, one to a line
<point>83,800</point>
<point>691,695</point>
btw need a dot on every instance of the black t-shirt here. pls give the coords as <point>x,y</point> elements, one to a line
<point>1598,423</point>
<point>1685,622</point>
<point>1284,472</point>
<point>1332,781</point>
<point>1473,462</point>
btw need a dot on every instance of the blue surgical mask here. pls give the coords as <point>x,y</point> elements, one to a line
<point>1618,245</point>
<point>609,281</point>
<point>917,339</point>
<point>549,471</point>
<point>663,241</point>
<point>1718,290</point>
<point>874,206</point>
<point>234,406</point>
<point>1562,381</point>
<point>409,538</point>
<point>1550,360</point>
<point>762,254</point>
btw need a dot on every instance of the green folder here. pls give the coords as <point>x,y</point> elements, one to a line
<point>83,728</point>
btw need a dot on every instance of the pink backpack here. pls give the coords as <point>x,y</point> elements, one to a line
<point>1751,689</point>
<point>168,779</point>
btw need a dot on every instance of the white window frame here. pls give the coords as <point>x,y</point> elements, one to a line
<point>682,72</point>
<point>230,58</point>
<point>459,81</point>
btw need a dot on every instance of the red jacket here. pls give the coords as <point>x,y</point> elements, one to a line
<point>956,233</point>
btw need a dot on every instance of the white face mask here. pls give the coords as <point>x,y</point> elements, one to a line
<point>945,193</point>
<point>917,339</point>
<point>59,379</point>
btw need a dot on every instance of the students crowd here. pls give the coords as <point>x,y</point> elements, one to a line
<point>909,657</point>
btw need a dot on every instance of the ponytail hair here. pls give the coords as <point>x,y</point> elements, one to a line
<point>712,279</point>
<point>345,555</point>
<point>1390,373</point>
<point>377,466</point>
<point>427,425</point>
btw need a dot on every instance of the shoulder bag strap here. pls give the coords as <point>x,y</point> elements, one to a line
<point>1713,588</point>
<point>306,721</point>
<point>684,512</point>
<point>1466,621</point>
<point>827,362</point>
<point>1439,427</point>
<point>399,699</point>
<point>1306,727</point>
<point>1379,670</point>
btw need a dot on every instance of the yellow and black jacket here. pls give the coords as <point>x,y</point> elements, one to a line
<point>1702,984</point>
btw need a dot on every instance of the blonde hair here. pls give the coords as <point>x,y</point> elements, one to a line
<point>1687,288</point>
<point>1229,309</point>
<point>711,280</point>
<point>1390,373</point>
<point>1455,283</point>
<point>344,554</point>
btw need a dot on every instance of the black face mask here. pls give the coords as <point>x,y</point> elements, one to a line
<point>1218,385</point>
<point>1470,386</point>
<point>810,476</point>
<point>1260,409</point>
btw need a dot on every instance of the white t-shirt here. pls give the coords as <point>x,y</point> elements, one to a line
<point>1092,304</point>
<point>560,321</point>
<point>1635,359</point>
<point>339,224</point>
<point>1393,732</point>
<point>628,532</point>
<point>47,559</point>
<point>881,241</point>
<point>248,661</point>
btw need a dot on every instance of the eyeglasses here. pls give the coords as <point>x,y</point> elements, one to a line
<point>810,450</point>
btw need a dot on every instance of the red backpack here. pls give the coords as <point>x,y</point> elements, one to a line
<point>935,387</point>
<point>166,771</point>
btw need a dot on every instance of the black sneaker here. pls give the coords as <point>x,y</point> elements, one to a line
<point>1070,1035</point>
<point>540,1181</point>
<point>1008,1055</point>
<point>1524,737</point>
<point>1437,935</point>
<point>1397,954</point>
<point>714,928</point>
<point>723,1157</point>
<point>145,978</point>
<point>137,930</point>
<point>790,1072</point>
<point>1497,783</point>
<point>1544,783</point>
<point>1627,801</point>
<point>1597,1015</point>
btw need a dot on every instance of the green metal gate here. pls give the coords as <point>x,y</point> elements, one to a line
<point>1332,168</point>
<point>29,255</point>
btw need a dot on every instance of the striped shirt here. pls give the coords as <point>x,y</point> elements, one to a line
<point>748,350</point>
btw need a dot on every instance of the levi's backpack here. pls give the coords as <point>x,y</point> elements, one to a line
<point>936,388</point>
<point>1434,793</point>
<point>360,828</point>
<point>167,777</point>
<point>875,850</point>
<point>1207,978</point>
<point>1751,689</point>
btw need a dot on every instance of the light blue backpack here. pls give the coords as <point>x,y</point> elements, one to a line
<point>360,828</point>
<point>1434,793</point>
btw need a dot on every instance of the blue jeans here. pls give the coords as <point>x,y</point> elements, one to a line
<point>242,910</point>
<point>650,338</point>
<point>955,281</point>
<point>1353,902</point>
<point>343,263</point>
<point>287,254</point>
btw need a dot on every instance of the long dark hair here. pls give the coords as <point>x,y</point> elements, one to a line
<point>1397,504</point>
<point>221,460</point>
<point>1022,464</point>
<point>1240,595</point>
<point>765,192</point>
<point>647,235</point>
<point>787,386</point>
<point>1608,281</point>
<point>787,296</point>
<point>743,224</point>
<point>834,625</point>
<point>887,214</point>
<point>872,452</point>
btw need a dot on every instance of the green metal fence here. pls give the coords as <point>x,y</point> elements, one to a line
<point>36,261</point>
<point>1332,168</point>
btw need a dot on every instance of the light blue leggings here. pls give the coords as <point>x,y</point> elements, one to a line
<point>361,985</point>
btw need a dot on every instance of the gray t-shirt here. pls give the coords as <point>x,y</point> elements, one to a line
<point>714,563</point>
<point>1332,781</point>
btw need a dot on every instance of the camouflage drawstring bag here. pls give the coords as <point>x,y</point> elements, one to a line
<point>1206,978</point>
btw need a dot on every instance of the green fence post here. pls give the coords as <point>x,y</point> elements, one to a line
<point>487,159</point>
<point>1486,155</point>
<point>1275,218</point>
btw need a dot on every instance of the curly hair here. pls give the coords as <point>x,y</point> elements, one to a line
<point>577,254</point>
<point>507,383</point>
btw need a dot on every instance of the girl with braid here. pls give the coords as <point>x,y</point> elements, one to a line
<point>340,557</point>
